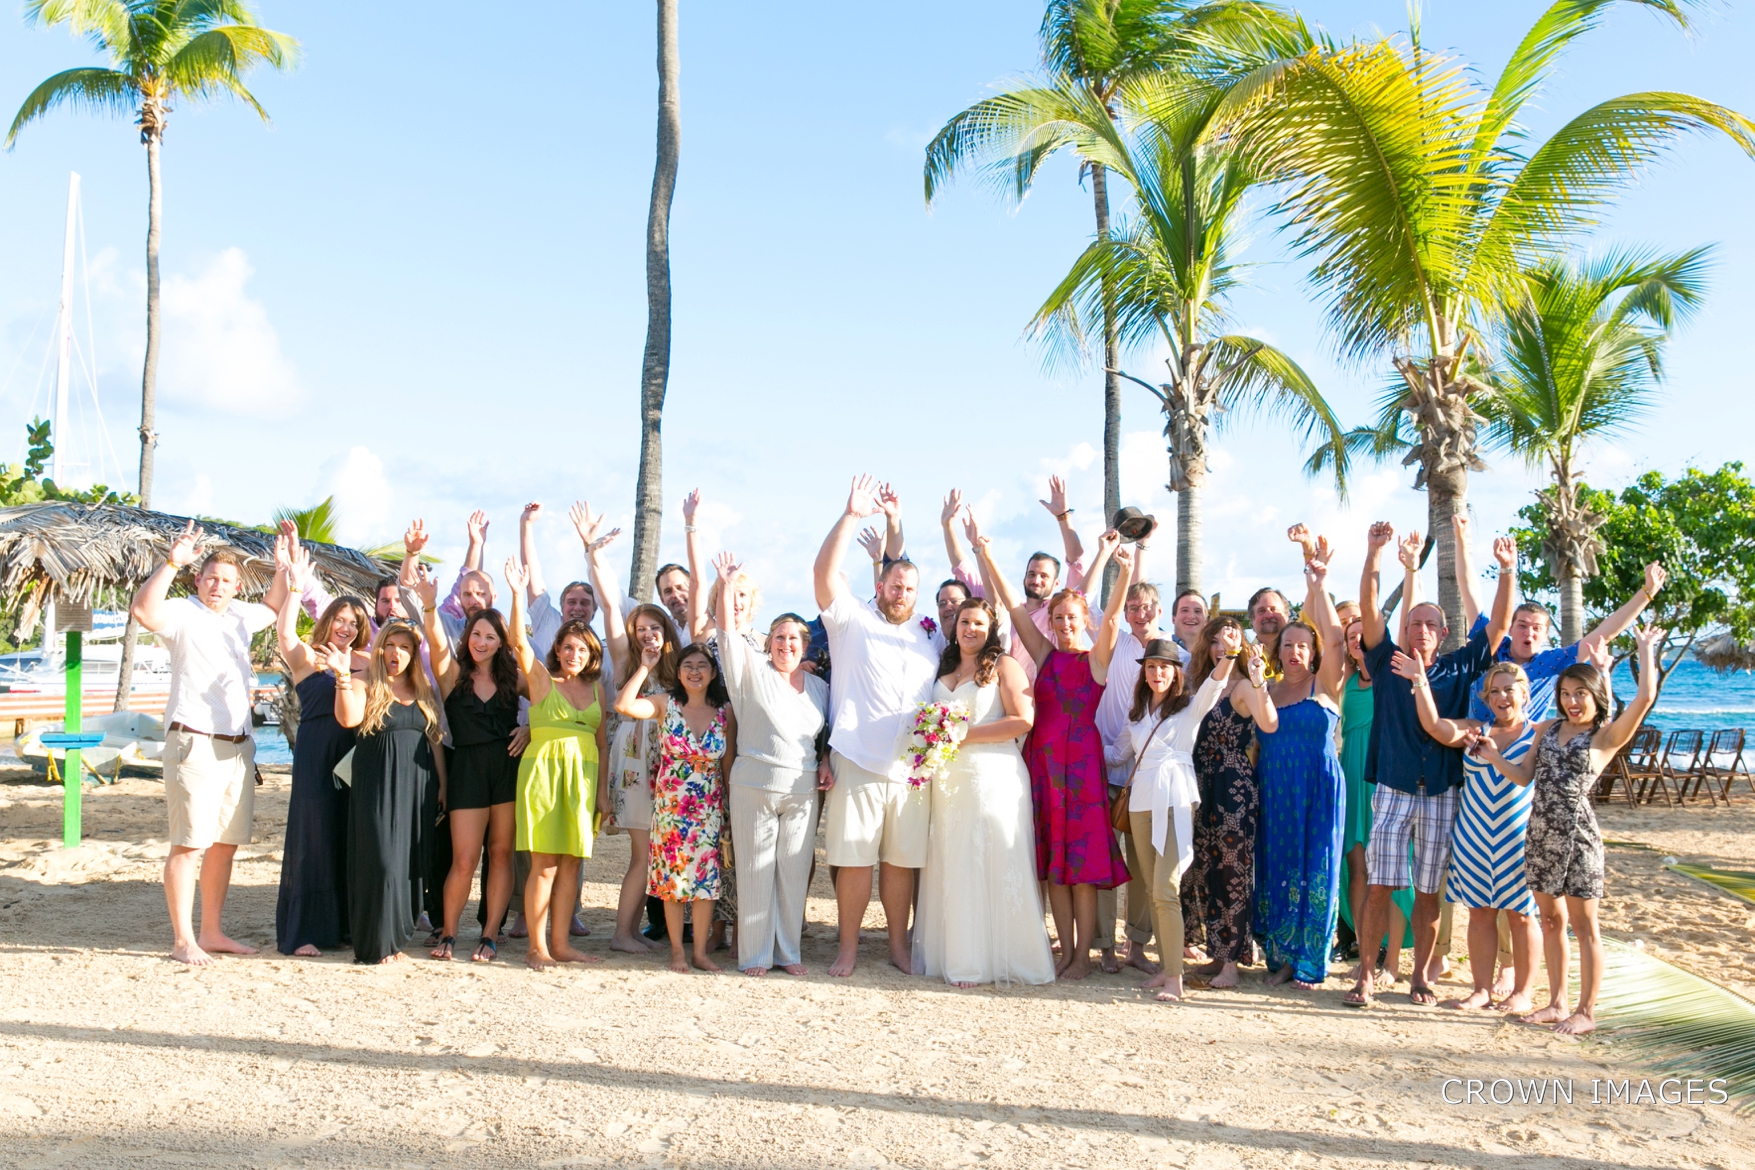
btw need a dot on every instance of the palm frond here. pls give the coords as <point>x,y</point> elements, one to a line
<point>104,91</point>
<point>1008,136</point>
<point>216,61</point>
<point>1736,883</point>
<point>1682,1023</point>
<point>1254,374</point>
<point>314,523</point>
<point>107,24</point>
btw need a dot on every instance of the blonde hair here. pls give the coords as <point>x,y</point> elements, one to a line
<point>755,592</point>
<point>379,696</point>
<point>1511,668</point>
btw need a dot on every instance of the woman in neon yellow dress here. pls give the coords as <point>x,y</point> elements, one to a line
<point>560,785</point>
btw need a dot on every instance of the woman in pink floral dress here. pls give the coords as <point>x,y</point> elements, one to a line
<point>697,743</point>
<point>1076,851</point>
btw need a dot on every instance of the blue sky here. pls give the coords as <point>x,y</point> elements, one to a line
<point>422,288</point>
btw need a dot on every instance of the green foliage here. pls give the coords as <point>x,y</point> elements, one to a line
<point>1736,883</point>
<point>1686,1025</point>
<point>316,523</point>
<point>25,484</point>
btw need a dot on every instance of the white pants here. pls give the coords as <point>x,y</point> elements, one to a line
<point>773,835</point>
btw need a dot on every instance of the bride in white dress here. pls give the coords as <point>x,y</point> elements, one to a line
<point>980,914</point>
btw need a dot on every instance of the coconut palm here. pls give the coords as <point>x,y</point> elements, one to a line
<point>1164,277</point>
<point>1422,203</point>
<point>1093,52</point>
<point>1679,1022</point>
<point>1576,357</point>
<point>655,366</point>
<point>316,523</point>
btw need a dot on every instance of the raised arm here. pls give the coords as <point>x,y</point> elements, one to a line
<point>527,550</point>
<point>1073,548</point>
<point>439,656</point>
<point>536,675</point>
<point>1612,737</point>
<point>350,691</point>
<point>629,702</point>
<point>826,573</point>
<point>1504,595</point>
<point>1109,629</point>
<point>1107,544</point>
<point>1407,551</point>
<point>615,633</point>
<point>1465,572</point>
<point>477,526</point>
<point>414,539</point>
<point>150,606</point>
<point>698,615</point>
<point>982,576</point>
<point>1257,701</point>
<point>894,546</point>
<point>947,520</point>
<point>873,543</point>
<point>292,565</point>
<point>1617,623</point>
<point>1372,630</point>
<point>1035,641</point>
<point>1319,611</point>
<point>1449,732</point>
<point>731,647</point>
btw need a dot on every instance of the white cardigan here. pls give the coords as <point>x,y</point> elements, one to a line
<point>1164,784</point>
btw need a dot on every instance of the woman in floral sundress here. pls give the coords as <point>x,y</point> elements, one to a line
<point>697,738</point>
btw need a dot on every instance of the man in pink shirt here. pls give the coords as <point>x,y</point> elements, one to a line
<point>1041,573</point>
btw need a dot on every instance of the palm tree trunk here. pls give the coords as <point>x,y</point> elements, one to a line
<point>1111,380</point>
<point>1188,538</point>
<point>148,385</point>
<point>1447,495</point>
<point>655,368</point>
<point>1571,606</point>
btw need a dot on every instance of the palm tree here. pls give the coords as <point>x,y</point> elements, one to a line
<point>655,367</point>
<point>1422,203</point>
<point>314,523</point>
<point>1164,276</point>
<point>1579,356</point>
<point>1093,52</point>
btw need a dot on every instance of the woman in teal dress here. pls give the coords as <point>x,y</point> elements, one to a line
<point>1357,706</point>
<point>560,785</point>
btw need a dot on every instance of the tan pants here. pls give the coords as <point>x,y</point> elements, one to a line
<point>1139,906</point>
<point>1163,887</point>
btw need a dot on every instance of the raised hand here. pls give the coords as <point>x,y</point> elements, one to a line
<point>1407,667</point>
<point>888,501</point>
<point>972,530</point>
<point>335,659</point>
<point>953,504</point>
<point>862,498</point>
<point>1505,552</point>
<point>1655,576</point>
<point>1123,557</point>
<point>872,541</point>
<point>298,565</point>
<point>282,562</point>
<point>426,586</point>
<point>584,523</point>
<point>1324,552</point>
<point>728,568</point>
<point>1648,639</point>
<point>1379,535</point>
<point>1315,572</point>
<point>517,576</point>
<point>1459,524</point>
<point>182,551</point>
<point>691,503</point>
<point>1230,642</point>
<point>649,656</point>
<point>415,537</point>
<point>1596,652</point>
<point>1407,550</point>
<point>1299,534</point>
<point>1056,501</point>
<point>1256,669</point>
<point>606,538</point>
<point>532,511</point>
<point>477,524</point>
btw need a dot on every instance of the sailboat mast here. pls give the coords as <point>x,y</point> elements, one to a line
<point>64,335</point>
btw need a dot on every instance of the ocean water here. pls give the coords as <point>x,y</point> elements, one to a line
<point>1698,696</point>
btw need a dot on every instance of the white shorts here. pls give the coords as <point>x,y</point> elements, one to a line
<point>210,789</point>
<point>872,818</point>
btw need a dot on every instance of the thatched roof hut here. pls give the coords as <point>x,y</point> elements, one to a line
<point>73,551</point>
<point>1725,653</point>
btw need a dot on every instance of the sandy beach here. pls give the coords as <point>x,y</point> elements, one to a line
<point>111,1055</point>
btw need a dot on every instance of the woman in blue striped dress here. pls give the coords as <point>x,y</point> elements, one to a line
<point>1486,846</point>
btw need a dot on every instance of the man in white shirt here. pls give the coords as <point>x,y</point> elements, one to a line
<point>885,662</point>
<point>209,757</point>
<point>1188,617</point>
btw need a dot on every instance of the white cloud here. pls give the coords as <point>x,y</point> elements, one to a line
<point>220,350</point>
<point>362,496</point>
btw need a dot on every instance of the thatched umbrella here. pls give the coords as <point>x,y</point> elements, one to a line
<point>1724,653</point>
<point>73,552</point>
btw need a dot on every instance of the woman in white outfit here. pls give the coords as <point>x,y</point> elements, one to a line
<point>1162,792</point>
<point>781,710</point>
<point>980,915</point>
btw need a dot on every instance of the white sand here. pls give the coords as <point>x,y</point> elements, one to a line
<point>110,1055</point>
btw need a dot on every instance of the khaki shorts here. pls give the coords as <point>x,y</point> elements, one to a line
<point>210,789</point>
<point>872,818</point>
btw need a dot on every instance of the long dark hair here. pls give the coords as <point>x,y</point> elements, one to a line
<point>593,658</point>
<point>987,660</point>
<point>717,696</point>
<point>1591,679</point>
<point>502,667</point>
<point>1175,699</point>
<point>1200,655</point>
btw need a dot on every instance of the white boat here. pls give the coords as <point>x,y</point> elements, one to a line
<point>131,740</point>
<point>34,672</point>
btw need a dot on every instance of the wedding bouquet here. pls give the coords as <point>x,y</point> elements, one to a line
<point>931,746</point>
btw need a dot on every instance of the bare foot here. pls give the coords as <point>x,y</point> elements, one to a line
<point>219,944</point>
<point>632,944</point>
<point>1385,979</point>
<point>1478,1000</point>
<point>757,972</point>
<point>1205,970</point>
<point>566,954</point>
<point>1275,978</point>
<point>1079,968</point>
<point>1506,983</point>
<point>1136,958</point>
<point>679,963</point>
<point>538,960</point>
<point>1171,990</point>
<point>1111,964</point>
<point>1438,968</point>
<point>702,962</point>
<point>191,954</point>
<point>518,929</point>
<point>1226,979</point>
<point>1514,1004</point>
<point>964,986</point>
<point>795,968</point>
<point>577,928</point>
<point>1552,1014</point>
<point>1355,972</point>
<point>307,952</point>
<point>903,962</point>
<point>396,958</point>
<point>845,960</point>
<point>1579,1023</point>
<point>1189,954</point>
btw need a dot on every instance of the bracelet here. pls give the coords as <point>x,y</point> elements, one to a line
<point>1063,515</point>
<point>1649,599</point>
<point>1256,685</point>
<point>429,609</point>
<point>688,527</point>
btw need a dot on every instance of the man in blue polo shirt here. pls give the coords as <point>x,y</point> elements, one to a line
<point>1418,779</point>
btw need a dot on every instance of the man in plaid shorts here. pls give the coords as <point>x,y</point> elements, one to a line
<point>1418,781</point>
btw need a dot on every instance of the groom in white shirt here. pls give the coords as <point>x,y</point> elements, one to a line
<point>885,660</point>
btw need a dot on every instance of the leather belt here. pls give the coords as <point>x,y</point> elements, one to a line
<point>209,734</point>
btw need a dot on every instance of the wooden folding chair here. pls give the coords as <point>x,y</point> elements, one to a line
<point>1677,765</point>
<point>1724,762</point>
<point>1635,766</point>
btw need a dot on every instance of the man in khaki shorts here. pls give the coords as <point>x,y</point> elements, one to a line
<point>885,662</point>
<point>210,773</point>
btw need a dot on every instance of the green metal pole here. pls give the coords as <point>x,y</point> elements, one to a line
<point>72,782</point>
